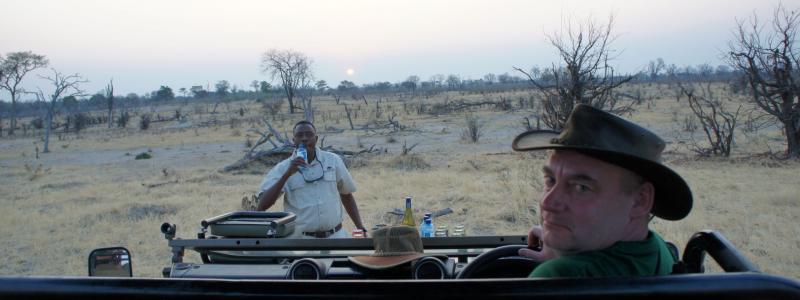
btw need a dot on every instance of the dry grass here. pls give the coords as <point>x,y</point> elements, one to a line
<point>90,192</point>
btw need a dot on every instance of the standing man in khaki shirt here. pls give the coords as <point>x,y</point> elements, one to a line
<point>312,190</point>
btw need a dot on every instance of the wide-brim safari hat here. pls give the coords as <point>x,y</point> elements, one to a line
<point>394,246</point>
<point>604,136</point>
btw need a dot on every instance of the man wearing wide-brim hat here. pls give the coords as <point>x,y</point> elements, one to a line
<point>603,182</point>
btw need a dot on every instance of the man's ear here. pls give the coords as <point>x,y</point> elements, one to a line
<point>644,197</point>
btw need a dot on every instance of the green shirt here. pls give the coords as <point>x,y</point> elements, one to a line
<point>632,258</point>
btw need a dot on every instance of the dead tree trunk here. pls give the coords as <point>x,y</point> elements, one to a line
<point>110,101</point>
<point>349,118</point>
<point>47,126</point>
<point>308,107</point>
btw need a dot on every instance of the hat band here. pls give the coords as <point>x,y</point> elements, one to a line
<point>396,253</point>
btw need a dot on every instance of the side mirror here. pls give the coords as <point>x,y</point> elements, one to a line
<point>110,262</point>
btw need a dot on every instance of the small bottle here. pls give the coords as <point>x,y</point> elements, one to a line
<point>429,216</point>
<point>426,228</point>
<point>302,152</point>
<point>408,215</point>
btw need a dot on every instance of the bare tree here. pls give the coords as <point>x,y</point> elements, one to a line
<point>14,68</point>
<point>437,80</point>
<point>64,86</point>
<point>254,84</point>
<point>292,67</point>
<point>718,122</point>
<point>770,61</point>
<point>453,81</point>
<point>411,83</point>
<point>221,88</point>
<point>490,78</point>
<point>306,96</point>
<point>110,102</point>
<point>321,85</point>
<point>583,76</point>
<point>654,68</point>
<point>349,115</point>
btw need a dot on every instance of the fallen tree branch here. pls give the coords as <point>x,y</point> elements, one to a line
<point>152,185</point>
<point>282,151</point>
<point>284,140</point>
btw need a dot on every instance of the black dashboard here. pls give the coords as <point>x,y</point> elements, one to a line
<point>342,269</point>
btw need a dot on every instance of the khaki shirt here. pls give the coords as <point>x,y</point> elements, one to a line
<point>317,204</point>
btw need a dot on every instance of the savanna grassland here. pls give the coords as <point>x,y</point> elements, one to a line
<point>91,192</point>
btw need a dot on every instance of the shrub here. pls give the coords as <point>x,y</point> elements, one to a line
<point>144,121</point>
<point>272,107</point>
<point>37,123</point>
<point>408,162</point>
<point>143,155</point>
<point>473,129</point>
<point>235,123</point>
<point>123,120</point>
<point>80,121</point>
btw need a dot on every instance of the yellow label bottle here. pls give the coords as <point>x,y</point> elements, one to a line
<point>408,215</point>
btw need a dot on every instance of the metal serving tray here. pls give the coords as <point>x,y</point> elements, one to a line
<point>257,224</point>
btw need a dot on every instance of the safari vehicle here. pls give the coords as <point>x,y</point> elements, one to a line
<point>253,261</point>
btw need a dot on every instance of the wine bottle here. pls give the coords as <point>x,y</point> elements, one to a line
<point>408,215</point>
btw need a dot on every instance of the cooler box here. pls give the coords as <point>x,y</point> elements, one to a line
<point>253,224</point>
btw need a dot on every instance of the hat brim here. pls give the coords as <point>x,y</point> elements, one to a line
<point>673,199</point>
<point>384,262</point>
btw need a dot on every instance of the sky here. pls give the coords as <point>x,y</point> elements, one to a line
<point>143,44</point>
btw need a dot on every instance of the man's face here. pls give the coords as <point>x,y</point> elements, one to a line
<point>584,205</point>
<point>305,134</point>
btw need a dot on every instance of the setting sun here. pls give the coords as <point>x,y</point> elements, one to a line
<point>350,71</point>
